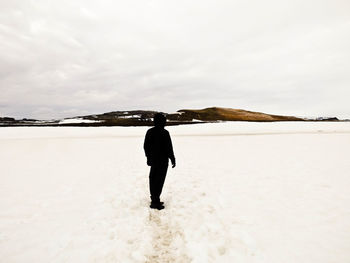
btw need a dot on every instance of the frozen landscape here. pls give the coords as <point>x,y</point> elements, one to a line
<point>241,192</point>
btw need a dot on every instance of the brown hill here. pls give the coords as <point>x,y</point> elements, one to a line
<point>227,114</point>
<point>145,118</point>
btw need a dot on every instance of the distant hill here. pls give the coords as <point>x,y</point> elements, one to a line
<point>228,114</point>
<point>186,116</point>
<point>145,118</point>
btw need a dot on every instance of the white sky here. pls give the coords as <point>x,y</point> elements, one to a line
<point>73,57</point>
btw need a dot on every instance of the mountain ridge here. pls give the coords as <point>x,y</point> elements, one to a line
<point>145,118</point>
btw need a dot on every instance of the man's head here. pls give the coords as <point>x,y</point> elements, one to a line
<point>159,120</point>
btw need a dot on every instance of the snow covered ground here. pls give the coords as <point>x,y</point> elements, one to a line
<point>241,192</point>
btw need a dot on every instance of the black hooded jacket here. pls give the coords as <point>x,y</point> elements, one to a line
<point>158,146</point>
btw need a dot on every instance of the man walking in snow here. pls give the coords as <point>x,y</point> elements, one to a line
<point>158,149</point>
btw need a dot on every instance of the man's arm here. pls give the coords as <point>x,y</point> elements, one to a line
<point>171,151</point>
<point>147,148</point>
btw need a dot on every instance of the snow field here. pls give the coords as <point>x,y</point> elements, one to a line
<point>81,195</point>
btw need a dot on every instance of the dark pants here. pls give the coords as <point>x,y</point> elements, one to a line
<point>156,180</point>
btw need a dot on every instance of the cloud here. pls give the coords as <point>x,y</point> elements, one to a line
<point>65,57</point>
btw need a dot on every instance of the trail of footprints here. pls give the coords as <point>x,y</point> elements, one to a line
<point>164,234</point>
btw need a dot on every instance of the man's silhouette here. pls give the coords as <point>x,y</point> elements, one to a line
<point>158,149</point>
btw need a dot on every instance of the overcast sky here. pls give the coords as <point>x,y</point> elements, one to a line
<point>73,57</point>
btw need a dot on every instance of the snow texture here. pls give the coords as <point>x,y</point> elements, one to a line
<point>241,192</point>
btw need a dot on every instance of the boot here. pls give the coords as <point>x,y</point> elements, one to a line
<point>158,206</point>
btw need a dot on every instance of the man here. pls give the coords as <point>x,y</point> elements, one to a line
<point>158,149</point>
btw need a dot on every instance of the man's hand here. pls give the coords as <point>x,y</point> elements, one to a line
<point>149,162</point>
<point>173,164</point>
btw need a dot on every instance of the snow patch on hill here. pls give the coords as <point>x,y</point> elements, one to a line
<point>77,120</point>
